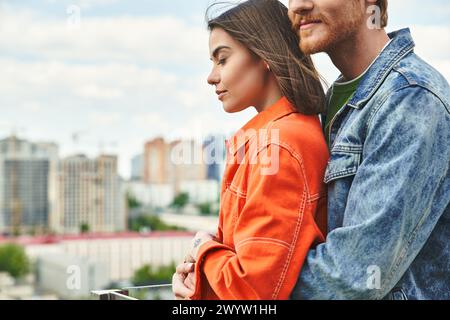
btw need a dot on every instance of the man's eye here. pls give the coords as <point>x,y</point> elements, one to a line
<point>222,61</point>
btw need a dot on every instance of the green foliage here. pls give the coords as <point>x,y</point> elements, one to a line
<point>205,208</point>
<point>14,260</point>
<point>148,275</point>
<point>84,227</point>
<point>208,209</point>
<point>181,200</point>
<point>132,201</point>
<point>151,222</point>
<point>16,232</point>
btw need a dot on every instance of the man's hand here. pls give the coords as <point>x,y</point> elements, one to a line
<point>181,290</point>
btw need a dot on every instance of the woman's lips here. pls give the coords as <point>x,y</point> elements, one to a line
<point>221,94</point>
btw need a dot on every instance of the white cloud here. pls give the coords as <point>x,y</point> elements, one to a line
<point>96,92</point>
<point>433,44</point>
<point>105,119</point>
<point>87,4</point>
<point>141,40</point>
<point>125,80</point>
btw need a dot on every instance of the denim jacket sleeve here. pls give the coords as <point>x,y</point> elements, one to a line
<point>388,216</point>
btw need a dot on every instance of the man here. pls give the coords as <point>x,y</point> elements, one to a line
<point>388,129</point>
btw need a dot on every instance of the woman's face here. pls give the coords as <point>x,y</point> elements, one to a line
<point>239,76</point>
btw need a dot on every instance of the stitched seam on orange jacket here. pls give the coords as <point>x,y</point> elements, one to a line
<point>317,196</point>
<point>301,209</point>
<point>236,191</point>
<point>294,154</point>
<point>261,239</point>
<point>291,251</point>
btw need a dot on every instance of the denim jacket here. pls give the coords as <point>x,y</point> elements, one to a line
<point>388,187</point>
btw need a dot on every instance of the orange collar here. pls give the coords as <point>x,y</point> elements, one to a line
<point>278,110</point>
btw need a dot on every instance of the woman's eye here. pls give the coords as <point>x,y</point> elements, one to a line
<point>221,61</point>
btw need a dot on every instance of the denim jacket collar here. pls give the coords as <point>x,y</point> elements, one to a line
<point>401,45</point>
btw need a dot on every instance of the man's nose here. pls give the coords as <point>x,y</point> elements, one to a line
<point>301,6</point>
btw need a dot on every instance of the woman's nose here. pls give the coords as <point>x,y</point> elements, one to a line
<point>213,78</point>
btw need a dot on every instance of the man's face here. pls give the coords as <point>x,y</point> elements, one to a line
<point>323,24</point>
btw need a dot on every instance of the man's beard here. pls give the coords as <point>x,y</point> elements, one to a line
<point>334,35</point>
<point>336,32</point>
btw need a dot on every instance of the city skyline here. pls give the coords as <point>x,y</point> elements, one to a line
<point>132,71</point>
<point>41,192</point>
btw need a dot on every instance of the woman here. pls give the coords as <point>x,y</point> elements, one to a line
<point>273,201</point>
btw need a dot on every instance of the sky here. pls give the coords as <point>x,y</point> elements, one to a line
<point>104,76</point>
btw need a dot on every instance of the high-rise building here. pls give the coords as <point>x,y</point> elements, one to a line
<point>89,195</point>
<point>187,157</point>
<point>173,162</point>
<point>137,168</point>
<point>157,165</point>
<point>27,185</point>
<point>215,156</point>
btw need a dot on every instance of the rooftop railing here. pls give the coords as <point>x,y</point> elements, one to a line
<point>124,293</point>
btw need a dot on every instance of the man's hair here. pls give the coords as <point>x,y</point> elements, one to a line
<point>383,4</point>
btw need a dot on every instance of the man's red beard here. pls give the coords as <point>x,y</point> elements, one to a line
<point>336,31</point>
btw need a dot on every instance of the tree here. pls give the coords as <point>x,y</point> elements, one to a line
<point>84,227</point>
<point>152,223</point>
<point>181,200</point>
<point>14,260</point>
<point>148,275</point>
<point>205,208</point>
<point>133,201</point>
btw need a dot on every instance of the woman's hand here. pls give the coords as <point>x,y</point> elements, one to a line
<point>200,238</point>
<point>190,281</point>
<point>182,281</point>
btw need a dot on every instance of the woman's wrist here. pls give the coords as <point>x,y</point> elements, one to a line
<point>199,239</point>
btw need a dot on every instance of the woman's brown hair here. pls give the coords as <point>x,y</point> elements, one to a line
<point>263,26</point>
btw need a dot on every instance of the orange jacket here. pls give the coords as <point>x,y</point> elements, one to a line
<point>273,208</point>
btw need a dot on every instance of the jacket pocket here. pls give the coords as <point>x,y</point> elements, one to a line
<point>344,162</point>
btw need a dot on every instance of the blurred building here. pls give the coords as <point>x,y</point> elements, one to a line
<point>150,195</point>
<point>118,255</point>
<point>173,163</point>
<point>137,168</point>
<point>189,164</point>
<point>201,191</point>
<point>69,276</point>
<point>27,185</point>
<point>192,223</point>
<point>214,150</point>
<point>89,194</point>
<point>158,168</point>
